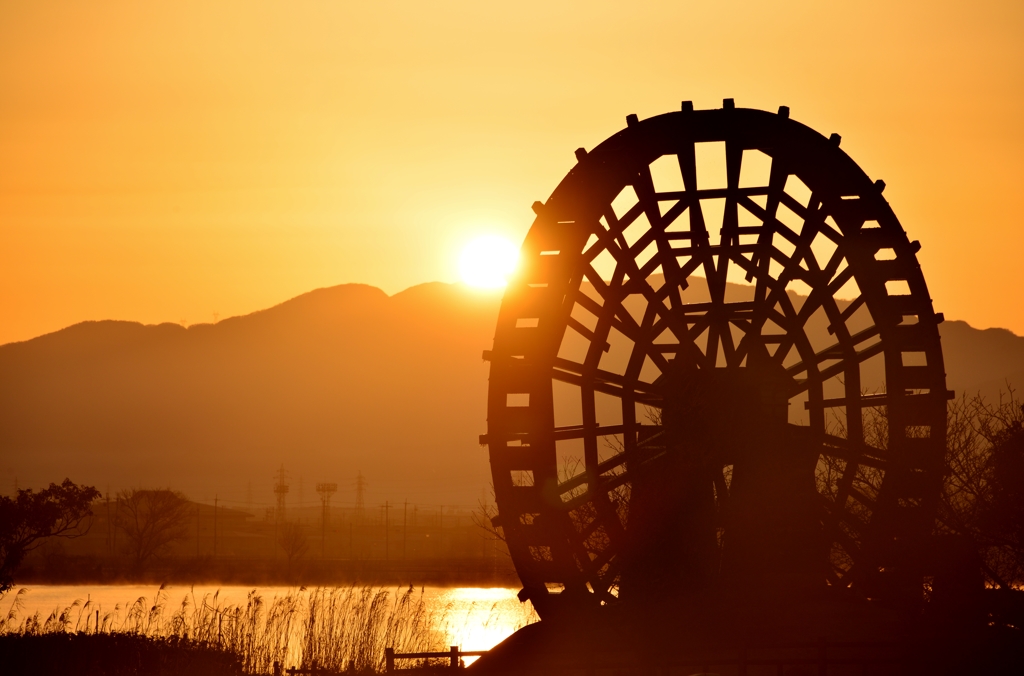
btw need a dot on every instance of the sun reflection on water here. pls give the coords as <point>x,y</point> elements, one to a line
<point>478,618</point>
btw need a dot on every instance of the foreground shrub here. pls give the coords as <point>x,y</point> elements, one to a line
<point>113,655</point>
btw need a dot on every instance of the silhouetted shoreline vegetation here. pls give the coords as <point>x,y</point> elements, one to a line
<point>114,655</point>
<point>979,527</point>
<point>30,518</point>
<point>337,629</point>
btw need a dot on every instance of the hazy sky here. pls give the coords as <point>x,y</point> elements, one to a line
<point>166,161</point>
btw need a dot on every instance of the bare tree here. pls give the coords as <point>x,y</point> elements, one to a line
<point>292,540</point>
<point>981,503</point>
<point>151,521</point>
<point>982,495</point>
<point>484,517</point>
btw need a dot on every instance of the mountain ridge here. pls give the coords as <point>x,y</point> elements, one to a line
<point>333,382</point>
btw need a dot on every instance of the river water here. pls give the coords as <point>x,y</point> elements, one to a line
<point>473,618</point>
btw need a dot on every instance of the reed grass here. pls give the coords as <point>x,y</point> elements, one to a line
<point>338,629</point>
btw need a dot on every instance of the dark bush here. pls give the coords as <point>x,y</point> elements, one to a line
<point>112,655</point>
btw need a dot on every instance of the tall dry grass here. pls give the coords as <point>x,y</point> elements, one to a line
<point>342,628</point>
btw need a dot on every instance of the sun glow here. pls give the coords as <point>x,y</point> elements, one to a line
<point>488,261</point>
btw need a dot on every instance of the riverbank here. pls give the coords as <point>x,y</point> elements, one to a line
<point>339,627</point>
<point>113,655</point>
<point>63,569</point>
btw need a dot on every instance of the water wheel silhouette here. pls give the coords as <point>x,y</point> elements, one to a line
<point>677,395</point>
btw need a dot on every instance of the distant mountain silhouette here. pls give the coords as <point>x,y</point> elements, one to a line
<point>982,360</point>
<point>333,382</point>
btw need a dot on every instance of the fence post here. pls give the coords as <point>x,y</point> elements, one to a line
<point>455,657</point>
<point>389,659</point>
<point>277,669</point>
<point>822,657</point>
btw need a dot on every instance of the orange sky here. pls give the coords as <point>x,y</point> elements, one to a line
<point>166,161</point>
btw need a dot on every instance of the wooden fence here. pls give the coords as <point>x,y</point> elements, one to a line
<point>454,657</point>
<point>812,657</point>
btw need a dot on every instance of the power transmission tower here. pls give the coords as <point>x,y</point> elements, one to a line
<point>325,491</point>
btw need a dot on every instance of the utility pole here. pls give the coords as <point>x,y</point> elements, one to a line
<point>361,485</point>
<point>110,524</point>
<point>360,494</point>
<point>117,508</point>
<point>325,491</point>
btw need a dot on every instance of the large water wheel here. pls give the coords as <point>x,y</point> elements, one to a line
<point>717,368</point>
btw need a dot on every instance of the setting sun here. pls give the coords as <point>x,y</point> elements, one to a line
<point>488,261</point>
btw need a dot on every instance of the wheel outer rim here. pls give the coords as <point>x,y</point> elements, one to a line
<point>522,358</point>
